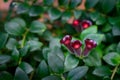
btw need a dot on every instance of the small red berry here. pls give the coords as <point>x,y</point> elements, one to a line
<point>86,23</point>
<point>90,43</point>
<point>76,44</point>
<point>76,23</point>
<point>66,39</point>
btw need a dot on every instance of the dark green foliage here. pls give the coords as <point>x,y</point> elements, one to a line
<point>30,47</point>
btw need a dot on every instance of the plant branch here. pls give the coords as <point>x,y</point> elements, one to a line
<point>114,71</point>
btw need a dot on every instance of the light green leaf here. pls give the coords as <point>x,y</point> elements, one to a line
<point>26,67</point>
<point>20,74</point>
<point>4,59</point>
<point>37,27</point>
<point>70,62</point>
<point>77,73</point>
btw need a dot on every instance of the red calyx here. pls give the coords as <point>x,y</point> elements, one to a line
<point>90,43</point>
<point>86,23</point>
<point>76,44</point>
<point>66,39</point>
<point>76,23</point>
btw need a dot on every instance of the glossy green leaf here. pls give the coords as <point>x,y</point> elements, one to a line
<point>4,59</point>
<point>93,59</point>
<point>52,77</point>
<point>54,42</point>
<point>5,76</point>
<point>96,37</point>
<point>77,14</point>
<point>54,13</point>
<point>11,44</point>
<point>88,31</point>
<point>102,71</point>
<point>22,8</point>
<point>108,58</point>
<point>74,3</point>
<point>66,16</point>
<point>100,20</point>
<point>107,28</point>
<point>91,3</point>
<point>34,45</point>
<point>15,27</point>
<point>24,50</point>
<point>48,2</point>
<point>20,74</point>
<point>56,60</point>
<point>70,62</point>
<point>107,6</point>
<point>15,55</point>
<point>63,2</point>
<point>36,11</point>
<point>77,73</point>
<point>37,27</point>
<point>42,70</point>
<point>116,31</point>
<point>94,15</point>
<point>3,39</point>
<point>45,52</point>
<point>20,21</point>
<point>26,67</point>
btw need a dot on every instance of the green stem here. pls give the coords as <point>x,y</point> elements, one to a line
<point>23,43</point>
<point>114,71</point>
<point>63,78</point>
<point>31,75</point>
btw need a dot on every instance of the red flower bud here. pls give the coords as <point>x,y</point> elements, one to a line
<point>86,23</point>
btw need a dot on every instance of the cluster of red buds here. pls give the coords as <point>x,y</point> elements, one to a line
<point>75,46</point>
<point>81,25</point>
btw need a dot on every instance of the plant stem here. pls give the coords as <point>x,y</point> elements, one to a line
<point>114,71</point>
<point>63,78</point>
<point>23,43</point>
<point>31,75</point>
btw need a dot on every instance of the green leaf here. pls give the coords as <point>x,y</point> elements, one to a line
<point>93,59</point>
<point>37,27</point>
<point>63,2</point>
<point>5,0</point>
<point>45,52</point>
<point>74,3</point>
<point>24,50</point>
<point>66,16</point>
<point>100,20</point>
<point>56,60</point>
<point>20,74</point>
<point>42,70</point>
<point>22,8</point>
<point>94,15</point>
<point>52,77</point>
<point>27,68</point>
<point>108,58</point>
<point>96,37</point>
<point>91,3</point>
<point>48,2</point>
<point>116,31</point>
<point>114,20</point>
<point>88,31</point>
<point>107,28</point>
<point>34,45</point>
<point>70,62</point>
<point>107,6</point>
<point>20,21</point>
<point>11,44</point>
<point>54,13</point>
<point>3,39</point>
<point>36,11</point>
<point>5,76</point>
<point>118,48</point>
<point>15,55</point>
<point>77,73</point>
<point>102,71</point>
<point>15,27</point>
<point>54,42</point>
<point>77,14</point>
<point>4,59</point>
